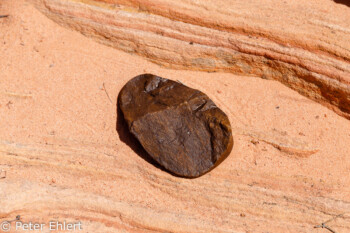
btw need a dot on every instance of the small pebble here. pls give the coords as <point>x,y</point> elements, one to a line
<point>180,127</point>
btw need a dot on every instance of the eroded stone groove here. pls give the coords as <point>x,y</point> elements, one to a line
<point>306,46</point>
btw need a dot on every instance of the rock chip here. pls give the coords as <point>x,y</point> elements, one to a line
<point>179,127</point>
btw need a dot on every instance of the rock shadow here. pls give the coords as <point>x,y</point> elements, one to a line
<point>130,140</point>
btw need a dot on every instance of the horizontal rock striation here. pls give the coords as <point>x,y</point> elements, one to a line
<point>305,45</point>
<point>65,158</point>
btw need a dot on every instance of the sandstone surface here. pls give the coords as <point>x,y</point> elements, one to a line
<point>303,44</point>
<point>63,156</point>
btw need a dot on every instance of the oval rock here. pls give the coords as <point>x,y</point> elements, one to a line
<point>181,128</point>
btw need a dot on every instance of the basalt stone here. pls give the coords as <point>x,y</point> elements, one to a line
<point>179,127</point>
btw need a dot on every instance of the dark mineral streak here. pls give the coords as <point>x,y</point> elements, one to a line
<point>179,127</point>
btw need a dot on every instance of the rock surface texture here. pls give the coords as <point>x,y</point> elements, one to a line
<point>304,45</point>
<point>64,157</point>
<point>180,127</point>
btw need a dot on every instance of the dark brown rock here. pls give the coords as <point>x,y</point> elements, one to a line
<point>180,127</point>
